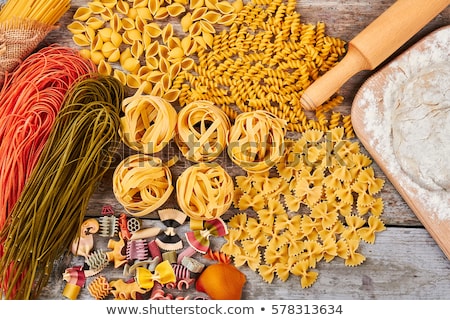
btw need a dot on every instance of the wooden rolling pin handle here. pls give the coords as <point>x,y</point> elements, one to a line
<point>353,62</point>
<point>373,45</point>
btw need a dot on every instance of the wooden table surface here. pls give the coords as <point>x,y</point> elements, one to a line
<point>404,263</point>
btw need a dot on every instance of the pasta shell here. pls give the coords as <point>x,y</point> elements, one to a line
<point>176,54</point>
<point>189,45</point>
<point>186,22</point>
<point>85,53</point>
<point>144,71</point>
<point>173,42</point>
<point>104,68</point>
<point>175,9</point>
<point>163,52</point>
<point>211,16</point>
<point>195,29</point>
<point>133,81</point>
<point>209,39</point>
<point>132,13</point>
<point>96,7</point>
<point>207,27</point>
<point>97,56</point>
<point>195,4</point>
<point>82,14</point>
<point>211,4</point>
<point>95,23</point>
<point>131,64</point>
<point>154,6</point>
<point>128,23</point>
<point>76,27</point>
<point>81,40</point>
<point>174,70</point>
<point>225,7</point>
<point>238,5</point>
<point>200,41</point>
<point>187,63</point>
<point>167,32</point>
<point>157,90</point>
<point>137,49</point>
<point>152,62</point>
<point>198,13</point>
<point>108,48</point>
<point>114,56</point>
<point>164,65</point>
<point>109,3</point>
<point>90,33</point>
<point>153,30</point>
<point>123,7</point>
<point>105,34</point>
<point>125,55</point>
<point>166,82</point>
<point>116,39</point>
<point>144,13</point>
<point>147,87</point>
<point>116,23</point>
<point>227,19</point>
<point>161,14</point>
<point>107,14</point>
<point>152,50</point>
<point>146,39</point>
<point>121,76</point>
<point>171,95</point>
<point>155,76</point>
<point>97,43</point>
<point>140,24</point>
<point>140,3</point>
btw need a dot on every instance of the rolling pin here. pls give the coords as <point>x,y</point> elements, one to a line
<point>379,40</point>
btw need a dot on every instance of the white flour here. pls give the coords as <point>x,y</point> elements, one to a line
<point>377,118</point>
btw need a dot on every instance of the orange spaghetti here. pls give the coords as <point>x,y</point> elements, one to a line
<point>29,102</point>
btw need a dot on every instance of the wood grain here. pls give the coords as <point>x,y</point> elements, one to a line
<point>404,262</point>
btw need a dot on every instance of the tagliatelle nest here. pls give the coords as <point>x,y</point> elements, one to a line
<point>256,140</point>
<point>142,184</point>
<point>321,205</point>
<point>202,130</point>
<point>205,191</point>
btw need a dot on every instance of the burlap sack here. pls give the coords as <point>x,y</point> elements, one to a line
<point>18,38</point>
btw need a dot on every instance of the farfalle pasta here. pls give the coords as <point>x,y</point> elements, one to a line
<point>256,140</point>
<point>142,184</point>
<point>149,122</point>
<point>202,130</point>
<point>204,191</point>
<point>325,204</point>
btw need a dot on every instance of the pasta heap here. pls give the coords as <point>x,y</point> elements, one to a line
<point>320,206</point>
<point>256,141</point>
<point>204,191</point>
<point>51,208</point>
<point>142,184</point>
<point>202,131</point>
<point>240,56</point>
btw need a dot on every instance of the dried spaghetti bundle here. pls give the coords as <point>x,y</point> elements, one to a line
<point>23,25</point>
<point>52,206</point>
<point>29,101</point>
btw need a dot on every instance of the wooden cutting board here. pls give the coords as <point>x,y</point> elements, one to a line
<point>371,110</point>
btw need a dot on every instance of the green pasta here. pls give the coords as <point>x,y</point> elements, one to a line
<point>52,206</point>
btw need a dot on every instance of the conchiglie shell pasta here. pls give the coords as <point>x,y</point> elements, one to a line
<point>175,9</point>
<point>225,7</point>
<point>76,27</point>
<point>81,40</point>
<point>82,14</point>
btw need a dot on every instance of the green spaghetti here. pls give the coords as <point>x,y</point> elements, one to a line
<point>52,206</point>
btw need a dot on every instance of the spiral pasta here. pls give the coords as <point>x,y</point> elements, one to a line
<point>202,130</point>
<point>149,122</point>
<point>142,184</point>
<point>256,140</point>
<point>205,191</point>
